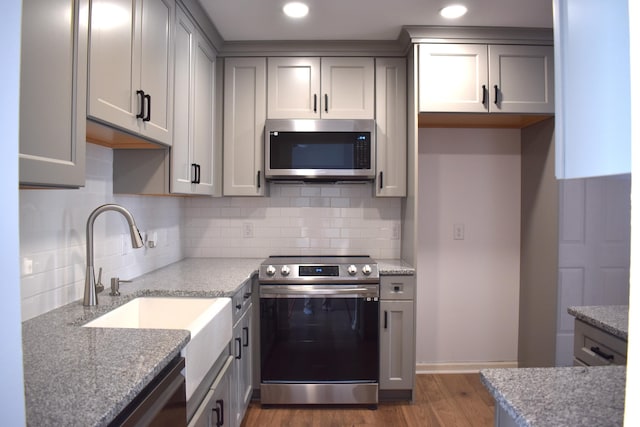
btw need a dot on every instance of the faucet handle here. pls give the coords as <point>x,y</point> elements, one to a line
<point>99,285</point>
<point>115,286</point>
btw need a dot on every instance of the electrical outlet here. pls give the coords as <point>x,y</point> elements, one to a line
<point>247,230</point>
<point>395,232</point>
<point>458,231</point>
<point>27,266</point>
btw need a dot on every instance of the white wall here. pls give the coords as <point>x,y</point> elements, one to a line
<point>311,219</point>
<point>53,230</point>
<point>467,309</point>
<point>12,390</point>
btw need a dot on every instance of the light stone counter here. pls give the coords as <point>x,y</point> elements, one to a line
<point>78,376</point>
<point>395,267</point>
<point>571,396</point>
<point>613,319</point>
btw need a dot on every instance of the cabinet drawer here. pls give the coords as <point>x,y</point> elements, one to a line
<point>241,299</point>
<point>594,347</point>
<point>397,287</point>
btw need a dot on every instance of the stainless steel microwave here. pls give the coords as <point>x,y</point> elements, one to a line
<point>325,150</point>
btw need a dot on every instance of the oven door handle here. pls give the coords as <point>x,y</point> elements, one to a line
<point>293,291</point>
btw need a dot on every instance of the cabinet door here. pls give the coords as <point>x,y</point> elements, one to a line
<point>131,51</point>
<point>53,83</point>
<point>347,88</point>
<point>294,88</point>
<point>156,67</point>
<point>242,376</point>
<point>181,150</point>
<point>245,114</point>
<point>453,78</point>
<point>391,132</point>
<point>192,151</point>
<point>215,407</point>
<point>112,82</point>
<point>521,79</point>
<point>203,116</point>
<point>397,349</point>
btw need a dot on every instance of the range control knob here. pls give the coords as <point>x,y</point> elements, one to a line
<point>352,270</point>
<point>285,270</point>
<point>366,270</point>
<point>271,270</point>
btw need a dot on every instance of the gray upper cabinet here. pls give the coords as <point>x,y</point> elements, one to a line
<point>391,127</point>
<point>53,93</point>
<point>245,110</point>
<point>193,150</point>
<point>478,78</point>
<point>313,88</point>
<point>131,66</point>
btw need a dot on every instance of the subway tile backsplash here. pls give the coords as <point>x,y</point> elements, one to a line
<point>294,219</point>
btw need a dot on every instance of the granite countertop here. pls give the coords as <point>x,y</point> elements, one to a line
<point>613,319</point>
<point>395,267</point>
<point>571,396</point>
<point>78,376</point>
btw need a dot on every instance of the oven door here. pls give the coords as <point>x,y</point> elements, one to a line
<point>314,334</point>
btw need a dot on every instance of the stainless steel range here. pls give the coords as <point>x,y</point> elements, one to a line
<point>319,330</point>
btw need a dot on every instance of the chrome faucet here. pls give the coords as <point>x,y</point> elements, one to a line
<point>90,291</point>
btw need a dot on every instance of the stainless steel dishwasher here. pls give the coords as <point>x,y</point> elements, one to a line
<point>163,403</point>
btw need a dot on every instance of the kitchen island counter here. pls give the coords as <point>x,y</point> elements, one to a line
<point>78,376</point>
<point>567,396</point>
<point>613,319</point>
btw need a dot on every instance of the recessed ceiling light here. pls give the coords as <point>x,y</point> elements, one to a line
<point>453,11</point>
<point>296,9</point>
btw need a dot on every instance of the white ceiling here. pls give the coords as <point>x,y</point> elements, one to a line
<point>242,20</point>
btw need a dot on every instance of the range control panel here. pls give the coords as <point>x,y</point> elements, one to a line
<point>361,269</point>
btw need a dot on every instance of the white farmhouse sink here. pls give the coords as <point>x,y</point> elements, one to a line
<point>208,320</point>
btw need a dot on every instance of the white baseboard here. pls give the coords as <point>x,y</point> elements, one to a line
<point>460,367</point>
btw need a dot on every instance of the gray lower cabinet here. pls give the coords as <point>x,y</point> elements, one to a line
<point>397,337</point>
<point>242,351</point>
<point>594,347</point>
<point>53,85</point>
<point>215,409</point>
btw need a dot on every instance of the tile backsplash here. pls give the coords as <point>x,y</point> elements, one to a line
<point>307,219</point>
<point>294,219</point>
<point>53,230</point>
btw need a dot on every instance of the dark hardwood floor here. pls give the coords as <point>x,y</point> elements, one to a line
<point>441,400</point>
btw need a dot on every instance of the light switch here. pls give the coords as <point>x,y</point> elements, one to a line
<point>458,231</point>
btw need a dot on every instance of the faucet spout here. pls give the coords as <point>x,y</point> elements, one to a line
<point>90,292</point>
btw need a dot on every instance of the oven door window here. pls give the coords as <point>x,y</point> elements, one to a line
<point>319,339</point>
